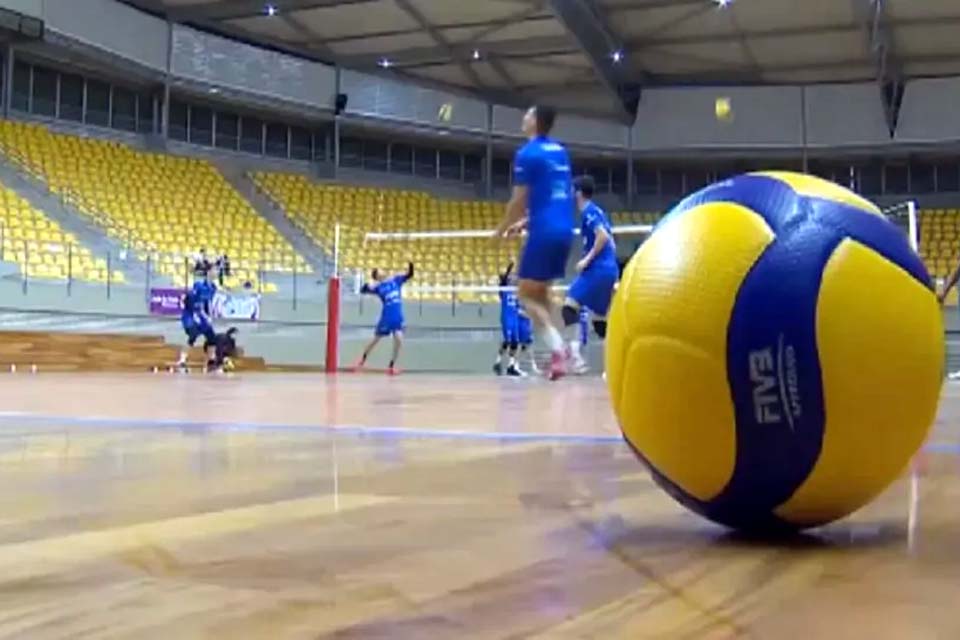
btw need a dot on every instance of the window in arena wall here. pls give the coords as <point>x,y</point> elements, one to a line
<point>401,158</point>
<point>145,123</point>
<point>71,97</point>
<point>201,125</point>
<point>21,87</point>
<point>896,178</point>
<point>948,177</point>
<point>251,135</point>
<point>450,167</point>
<point>228,131</point>
<point>922,178</point>
<point>473,168</point>
<point>98,103</point>
<point>646,182</point>
<point>425,162</point>
<point>351,152</point>
<point>300,143</point>
<point>870,178</point>
<point>124,106</point>
<point>375,155</point>
<point>618,180</point>
<point>277,140</point>
<point>501,172</point>
<point>44,92</point>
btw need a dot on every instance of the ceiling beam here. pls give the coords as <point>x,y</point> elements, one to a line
<point>882,50</point>
<point>438,54</point>
<point>442,42</point>
<point>234,9</point>
<point>585,25</point>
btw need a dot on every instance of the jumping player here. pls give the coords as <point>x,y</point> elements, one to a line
<point>196,323</point>
<point>542,191</point>
<point>391,315</point>
<point>205,290</point>
<point>598,269</point>
<point>509,327</point>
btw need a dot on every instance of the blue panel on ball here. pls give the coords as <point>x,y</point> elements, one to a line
<point>774,373</point>
<point>783,208</point>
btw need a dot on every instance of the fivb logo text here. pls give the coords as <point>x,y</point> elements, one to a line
<point>775,384</point>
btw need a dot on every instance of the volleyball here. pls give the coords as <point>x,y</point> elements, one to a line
<point>722,109</point>
<point>775,352</point>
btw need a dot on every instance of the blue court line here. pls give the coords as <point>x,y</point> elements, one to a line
<point>383,431</point>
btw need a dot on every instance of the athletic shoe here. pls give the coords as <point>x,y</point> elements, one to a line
<point>578,366</point>
<point>357,366</point>
<point>955,375</point>
<point>393,371</point>
<point>558,365</point>
<point>515,372</point>
<point>498,369</point>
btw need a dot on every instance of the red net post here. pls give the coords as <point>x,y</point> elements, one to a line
<point>333,324</point>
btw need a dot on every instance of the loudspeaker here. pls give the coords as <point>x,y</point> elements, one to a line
<point>340,104</point>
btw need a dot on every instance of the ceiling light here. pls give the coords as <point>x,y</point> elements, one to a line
<point>723,3</point>
<point>617,56</point>
<point>476,54</point>
<point>385,63</point>
<point>270,10</point>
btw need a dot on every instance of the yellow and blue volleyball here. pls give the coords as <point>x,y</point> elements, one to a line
<point>775,352</point>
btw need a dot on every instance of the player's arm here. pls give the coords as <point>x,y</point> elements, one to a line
<point>951,282</point>
<point>601,240</point>
<point>409,274</point>
<point>505,276</point>
<point>517,206</point>
<point>367,289</point>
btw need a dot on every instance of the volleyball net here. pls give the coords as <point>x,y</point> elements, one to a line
<point>452,305</point>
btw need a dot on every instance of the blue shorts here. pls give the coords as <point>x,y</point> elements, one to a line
<point>524,330</point>
<point>510,329</point>
<point>195,329</point>
<point>593,289</point>
<point>544,256</point>
<point>388,326</point>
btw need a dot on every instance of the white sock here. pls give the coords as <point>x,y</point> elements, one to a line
<point>183,357</point>
<point>553,339</point>
<point>513,362</point>
<point>575,349</point>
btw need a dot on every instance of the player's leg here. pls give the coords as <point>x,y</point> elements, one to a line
<point>192,333</point>
<point>513,369</point>
<point>577,298</point>
<point>367,350</point>
<point>525,335</point>
<point>395,356</point>
<point>210,345</point>
<point>543,261</point>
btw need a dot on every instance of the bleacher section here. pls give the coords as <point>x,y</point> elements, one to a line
<point>41,248</point>
<point>160,205</point>
<point>316,208</point>
<point>940,240</point>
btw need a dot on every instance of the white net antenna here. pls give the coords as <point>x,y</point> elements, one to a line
<point>904,215</point>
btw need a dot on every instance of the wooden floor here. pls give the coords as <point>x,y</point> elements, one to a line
<point>438,507</point>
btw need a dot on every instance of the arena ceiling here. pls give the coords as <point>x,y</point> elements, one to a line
<point>595,56</point>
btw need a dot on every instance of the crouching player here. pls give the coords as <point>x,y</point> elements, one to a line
<point>196,323</point>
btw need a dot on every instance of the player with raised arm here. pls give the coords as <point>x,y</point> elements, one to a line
<point>542,192</point>
<point>509,327</point>
<point>391,314</point>
<point>598,272</point>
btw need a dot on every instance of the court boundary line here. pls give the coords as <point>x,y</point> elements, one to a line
<point>7,417</point>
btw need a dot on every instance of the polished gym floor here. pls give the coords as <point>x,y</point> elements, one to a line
<point>361,506</point>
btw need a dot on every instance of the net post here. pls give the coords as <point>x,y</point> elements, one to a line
<point>333,307</point>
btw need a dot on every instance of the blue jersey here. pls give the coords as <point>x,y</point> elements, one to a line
<point>543,166</point>
<point>594,218</point>
<point>204,291</point>
<point>509,305</point>
<point>389,293</point>
<point>192,308</point>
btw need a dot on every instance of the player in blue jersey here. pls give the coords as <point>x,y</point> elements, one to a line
<point>598,272</point>
<point>542,192</point>
<point>509,327</point>
<point>205,290</point>
<point>391,314</point>
<point>195,323</point>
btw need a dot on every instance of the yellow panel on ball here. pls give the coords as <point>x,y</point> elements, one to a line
<point>669,318</point>
<point>880,337</point>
